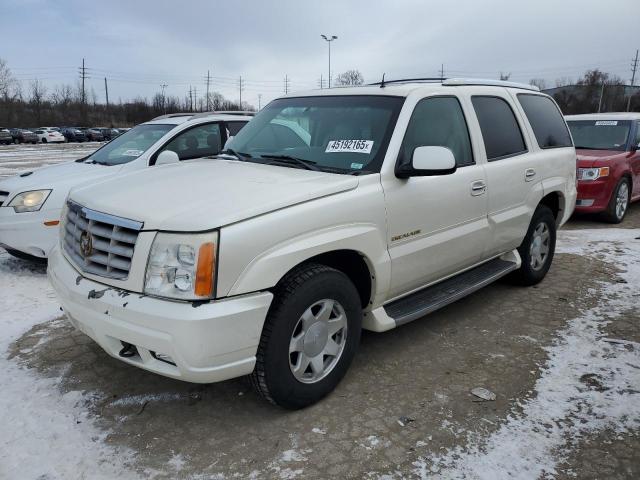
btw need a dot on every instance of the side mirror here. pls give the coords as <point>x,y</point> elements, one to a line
<point>428,161</point>
<point>167,157</point>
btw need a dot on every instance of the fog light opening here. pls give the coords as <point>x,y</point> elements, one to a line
<point>163,357</point>
<point>128,350</point>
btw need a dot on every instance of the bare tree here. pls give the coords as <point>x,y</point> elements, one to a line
<point>38,92</point>
<point>505,76</point>
<point>350,77</point>
<point>541,83</point>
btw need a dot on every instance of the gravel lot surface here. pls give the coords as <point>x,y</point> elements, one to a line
<point>563,359</point>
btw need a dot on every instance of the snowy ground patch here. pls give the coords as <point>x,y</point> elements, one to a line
<point>589,383</point>
<point>45,434</point>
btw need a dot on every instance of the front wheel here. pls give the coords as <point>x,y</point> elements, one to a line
<point>309,338</point>
<point>619,203</point>
<point>537,248</point>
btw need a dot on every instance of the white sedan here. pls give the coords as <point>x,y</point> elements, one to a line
<point>49,136</point>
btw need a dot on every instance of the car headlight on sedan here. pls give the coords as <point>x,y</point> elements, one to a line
<point>592,173</point>
<point>182,266</point>
<point>29,201</point>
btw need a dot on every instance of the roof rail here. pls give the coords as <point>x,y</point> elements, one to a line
<point>172,115</point>
<point>409,80</point>
<point>454,82</point>
<point>246,113</point>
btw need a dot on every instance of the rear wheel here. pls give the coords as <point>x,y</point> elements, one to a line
<point>309,338</point>
<point>537,248</point>
<point>44,140</point>
<point>619,202</point>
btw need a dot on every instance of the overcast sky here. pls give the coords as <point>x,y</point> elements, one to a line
<point>139,45</point>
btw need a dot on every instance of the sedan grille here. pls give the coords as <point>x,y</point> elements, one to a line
<point>3,197</point>
<point>98,243</point>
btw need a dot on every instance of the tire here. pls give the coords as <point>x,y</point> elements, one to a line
<point>16,141</point>
<point>44,140</point>
<point>307,291</point>
<point>537,248</point>
<point>25,256</point>
<point>619,202</point>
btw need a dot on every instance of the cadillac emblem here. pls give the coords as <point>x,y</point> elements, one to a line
<point>86,244</point>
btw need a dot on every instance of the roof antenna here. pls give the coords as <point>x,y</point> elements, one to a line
<point>382,82</point>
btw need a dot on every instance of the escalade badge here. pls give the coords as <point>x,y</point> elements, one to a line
<point>86,244</point>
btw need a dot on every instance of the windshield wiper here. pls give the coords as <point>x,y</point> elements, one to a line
<point>94,162</point>
<point>306,164</point>
<point>230,151</point>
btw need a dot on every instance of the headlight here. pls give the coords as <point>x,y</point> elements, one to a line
<point>182,266</point>
<point>29,201</point>
<point>592,173</point>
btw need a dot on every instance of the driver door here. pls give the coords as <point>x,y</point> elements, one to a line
<point>437,225</point>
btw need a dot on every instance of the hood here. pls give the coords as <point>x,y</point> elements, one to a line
<point>590,158</point>
<point>64,174</point>
<point>205,194</point>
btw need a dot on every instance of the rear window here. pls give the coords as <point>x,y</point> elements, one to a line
<point>600,134</point>
<point>500,131</point>
<point>546,121</point>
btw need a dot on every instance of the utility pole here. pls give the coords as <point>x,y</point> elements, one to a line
<point>321,82</point>
<point>195,98</point>
<point>83,76</point>
<point>240,86</point>
<point>259,101</point>
<point>442,71</point>
<point>634,67</point>
<point>286,84</point>
<point>329,40</point>
<point>601,95</point>
<point>164,104</point>
<point>106,92</point>
<point>190,99</point>
<point>208,81</point>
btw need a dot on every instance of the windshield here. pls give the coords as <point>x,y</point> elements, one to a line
<point>600,134</point>
<point>130,145</point>
<point>341,134</point>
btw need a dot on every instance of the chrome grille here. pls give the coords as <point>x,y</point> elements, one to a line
<point>98,243</point>
<point>3,197</point>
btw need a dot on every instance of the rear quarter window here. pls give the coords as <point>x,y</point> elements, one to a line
<point>500,130</point>
<point>546,121</point>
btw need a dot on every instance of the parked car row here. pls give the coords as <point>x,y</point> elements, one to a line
<point>265,249</point>
<point>59,134</point>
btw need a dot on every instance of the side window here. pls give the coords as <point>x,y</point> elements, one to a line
<point>197,142</point>
<point>546,121</point>
<point>235,127</point>
<point>500,131</point>
<point>637,134</point>
<point>439,122</point>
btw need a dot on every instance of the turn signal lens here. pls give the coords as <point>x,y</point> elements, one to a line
<point>206,270</point>
<point>604,171</point>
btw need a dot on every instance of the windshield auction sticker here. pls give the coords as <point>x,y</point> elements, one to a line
<point>132,153</point>
<point>351,146</point>
<point>606,123</point>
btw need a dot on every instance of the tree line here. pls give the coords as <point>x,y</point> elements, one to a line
<point>35,105</point>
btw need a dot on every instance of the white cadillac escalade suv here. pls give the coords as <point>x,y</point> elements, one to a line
<point>331,211</point>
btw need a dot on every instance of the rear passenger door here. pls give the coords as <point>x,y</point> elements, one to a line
<point>635,162</point>
<point>513,176</point>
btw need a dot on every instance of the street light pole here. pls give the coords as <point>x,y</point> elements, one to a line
<point>329,39</point>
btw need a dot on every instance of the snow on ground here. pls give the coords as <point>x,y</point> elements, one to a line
<point>20,158</point>
<point>589,383</point>
<point>44,434</point>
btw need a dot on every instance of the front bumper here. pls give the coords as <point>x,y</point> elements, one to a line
<point>27,232</point>
<point>594,195</point>
<point>208,343</point>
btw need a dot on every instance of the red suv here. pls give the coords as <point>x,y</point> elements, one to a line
<point>608,148</point>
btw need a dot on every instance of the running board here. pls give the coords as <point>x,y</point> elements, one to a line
<point>432,298</point>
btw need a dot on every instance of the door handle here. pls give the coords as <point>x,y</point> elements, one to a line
<point>478,188</point>
<point>529,174</point>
